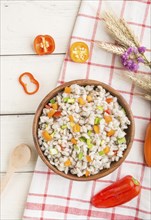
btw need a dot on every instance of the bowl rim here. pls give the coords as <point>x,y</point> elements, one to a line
<point>84,82</point>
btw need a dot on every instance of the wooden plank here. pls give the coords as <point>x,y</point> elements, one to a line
<point>46,70</point>
<point>14,131</point>
<point>23,20</point>
<point>14,197</point>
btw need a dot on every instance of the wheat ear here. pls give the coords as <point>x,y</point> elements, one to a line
<point>111,47</point>
<point>140,80</point>
<point>143,95</point>
<point>130,33</point>
<point>117,30</point>
<point>119,24</point>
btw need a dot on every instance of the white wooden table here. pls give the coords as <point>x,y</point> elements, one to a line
<point>21,21</point>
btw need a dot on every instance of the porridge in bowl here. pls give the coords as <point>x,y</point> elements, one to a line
<point>82,130</point>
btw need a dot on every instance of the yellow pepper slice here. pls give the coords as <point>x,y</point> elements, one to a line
<point>54,106</point>
<point>79,52</point>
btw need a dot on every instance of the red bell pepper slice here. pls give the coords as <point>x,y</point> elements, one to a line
<point>108,111</point>
<point>57,114</point>
<point>32,79</point>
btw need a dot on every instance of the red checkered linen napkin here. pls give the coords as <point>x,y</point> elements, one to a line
<point>54,197</point>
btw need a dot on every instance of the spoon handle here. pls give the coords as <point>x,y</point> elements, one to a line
<point>6,179</point>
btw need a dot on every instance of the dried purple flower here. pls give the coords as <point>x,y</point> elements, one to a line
<point>129,63</point>
<point>141,49</point>
<point>140,60</point>
<point>135,67</point>
<point>129,50</point>
<point>132,57</point>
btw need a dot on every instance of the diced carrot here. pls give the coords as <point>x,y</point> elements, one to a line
<point>108,100</point>
<point>106,150</point>
<point>107,118</point>
<point>89,98</point>
<point>88,158</point>
<point>51,113</point>
<point>110,133</point>
<point>67,163</point>
<point>81,101</point>
<point>96,129</point>
<point>67,90</point>
<point>76,128</point>
<point>54,106</point>
<point>46,136</point>
<point>73,141</point>
<point>71,118</point>
<point>87,173</point>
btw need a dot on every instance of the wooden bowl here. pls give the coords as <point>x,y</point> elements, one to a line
<point>129,136</point>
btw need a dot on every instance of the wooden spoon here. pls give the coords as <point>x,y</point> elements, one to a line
<point>20,156</point>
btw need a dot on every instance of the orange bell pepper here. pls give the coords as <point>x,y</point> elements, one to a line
<point>107,118</point>
<point>46,136</point>
<point>81,101</point>
<point>147,145</point>
<point>67,163</point>
<point>96,129</point>
<point>73,141</point>
<point>67,90</point>
<point>108,100</point>
<point>76,128</point>
<point>110,133</point>
<point>71,118</point>
<point>51,113</point>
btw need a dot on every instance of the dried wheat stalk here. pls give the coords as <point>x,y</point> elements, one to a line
<point>119,36</point>
<point>130,33</point>
<point>122,33</point>
<point>111,47</point>
<point>118,30</point>
<point>118,23</point>
<point>144,95</point>
<point>141,80</point>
